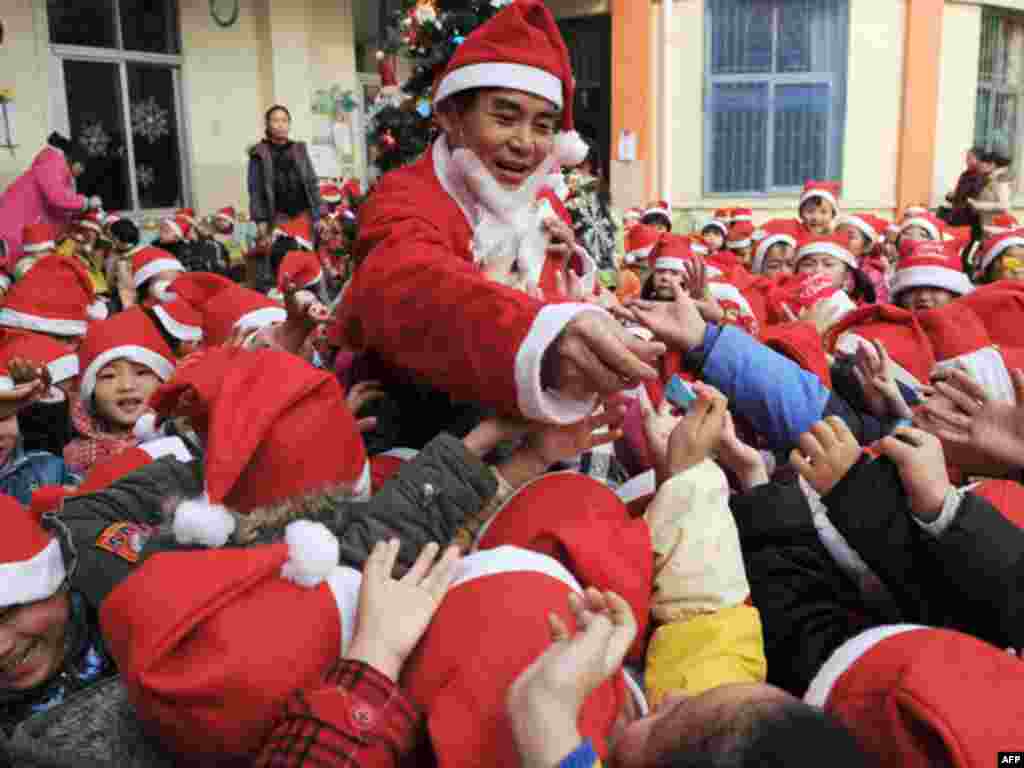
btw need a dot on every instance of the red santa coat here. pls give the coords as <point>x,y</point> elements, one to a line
<point>422,303</point>
<point>44,193</point>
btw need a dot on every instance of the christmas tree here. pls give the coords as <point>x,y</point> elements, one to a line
<point>427,32</point>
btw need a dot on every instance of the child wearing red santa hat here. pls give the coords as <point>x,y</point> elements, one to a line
<point>819,206</point>
<point>123,360</point>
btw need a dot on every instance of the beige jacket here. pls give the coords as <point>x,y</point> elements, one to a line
<point>994,198</point>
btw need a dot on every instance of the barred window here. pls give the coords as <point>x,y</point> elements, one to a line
<point>775,94</point>
<point>1000,82</point>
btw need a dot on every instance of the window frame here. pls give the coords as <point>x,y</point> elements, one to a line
<point>996,88</point>
<point>833,164</point>
<point>60,119</point>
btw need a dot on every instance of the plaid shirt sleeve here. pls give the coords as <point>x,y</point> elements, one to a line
<point>359,718</point>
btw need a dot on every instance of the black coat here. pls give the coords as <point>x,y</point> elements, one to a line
<point>261,181</point>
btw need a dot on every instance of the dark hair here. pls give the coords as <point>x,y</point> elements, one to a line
<point>71,150</point>
<point>267,115</point>
<point>656,218</point>
<point>996,157</point>
<point>172,341</point>
<point>773,734</point>
<point>125,231</point>
<point>863,288</point>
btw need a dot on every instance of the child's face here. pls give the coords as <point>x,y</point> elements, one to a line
<point>925,297</point>
<point>824,264</point>
<point>745,255</point>
<point>858,244</point>
<point>663,281</point>
<point>778,260</point>
<point>915,234</point>
<point>122,391</point>
<point>1009,265</point>
<point>167,235</point>
<point>32,642</point>
<point>659,225</point>
<point>817,214</point>
<point>714,238</point>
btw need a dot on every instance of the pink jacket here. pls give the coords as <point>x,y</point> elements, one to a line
<point>44,193</point>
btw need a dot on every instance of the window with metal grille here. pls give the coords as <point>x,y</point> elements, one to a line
<point>1000,82</point>
<point>115,87</point>
<point>775,94</point>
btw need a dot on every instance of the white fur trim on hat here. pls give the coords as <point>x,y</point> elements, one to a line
<point>951,280</point>
<point>157,363</point>
<point>762,248</point>
<point>197,521</point>
<point>155,267</point>
<point>97,310</point>
<point>917,221</point>
<point>570,149</point>
<point>313,552</point>
<point>744,243</point>
<point>508,559</point>
<point>178,330</point>
<point>168,446</point>
<point>829,249</point>
<point>63,368</point>
<point>667,262</point>
<point>47,245</point>
<point>743,217</point>
<point>845,656</point>
<point>824,194</point>
<point>638,254</point>
<point>997,251</point>
<point>225,217</point>
<point>39,577</point>
<point>718,224</point>
<point>502,74</point>
<point>729,292</point>
<point>987,367</point>
<point>12,318</point>
<point>261,318</point>
<point>5,281</point>
<point>663,212</point>
<point>175,226</point>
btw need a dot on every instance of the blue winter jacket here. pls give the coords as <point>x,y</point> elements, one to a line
<point>27,470</point>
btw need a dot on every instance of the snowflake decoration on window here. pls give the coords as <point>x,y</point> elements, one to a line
<point>150,120</point>
<point>94,139</point>
<point>145,175</point>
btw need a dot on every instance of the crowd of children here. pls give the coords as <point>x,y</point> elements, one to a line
<point>416,488</point>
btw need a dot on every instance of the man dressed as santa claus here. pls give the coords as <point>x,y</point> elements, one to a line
<point>447,245</point>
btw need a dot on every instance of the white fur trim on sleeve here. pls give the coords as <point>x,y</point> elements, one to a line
<point>197,521</point>
<point>845,656</point>
<point>535,403</point>
<point>313,553</point>
<point>168,446</point>
<point>950,506</point>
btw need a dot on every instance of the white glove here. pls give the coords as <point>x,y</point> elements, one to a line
<point>94,203</point>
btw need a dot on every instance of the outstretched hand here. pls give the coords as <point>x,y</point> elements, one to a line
<point>922,466</point>
<point>678,323</point>
<point>394,613</point>
<point>825,454</point>
<point>31,382</point>
<point>544,702</point>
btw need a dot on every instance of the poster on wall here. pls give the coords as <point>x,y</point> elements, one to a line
<point>333,149</point>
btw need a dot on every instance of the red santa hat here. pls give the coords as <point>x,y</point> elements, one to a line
<point>1001,223</point>
<point>585,526</point>
<point>911,696</point>
<point>740,235</point>
<point>731,299</point>
<point>926,221</point>
<point>742,215</point>
<point>225,305</point>
<point>37,238</point>
<point>520,47</point>
<point>671,252</point>
<point>724,215</point>
<point>930,264</point>
<point>722,225</point>
<point>632,215</point>
<point>299,229</point>
<point>236,633</point>
<point>105,473</point>
<point>801,343</point>
<point>771,233</point>
<point>127,335</point>
<point>825,190</point>
<point>640,241</point>
<point>1000,306</point>
<point>179,319</point>
<point>299,268</point>
<point>830,245</point>
<point>505,593</point>
<point>257,426</point>
<point>661,209</point>
<point>61,361</point>
<point>351,189</point>
<point>179,225</point>
<point>871,227</point>
<point>30,557</point>
<point>149,261</point>
<point>994,247</point>
<point>330,192</point>
<point>227,214</point>
<point>92,220</point>
<point>898,329</point>
<point>56,297</point>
